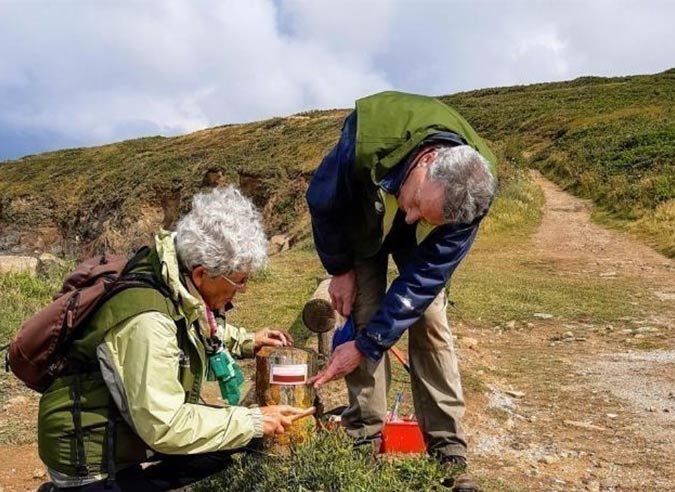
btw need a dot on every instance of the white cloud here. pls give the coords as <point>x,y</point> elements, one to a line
<point>107,70</point>
<point>100,71</point>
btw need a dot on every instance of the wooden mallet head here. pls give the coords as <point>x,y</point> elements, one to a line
<point>318,316</point>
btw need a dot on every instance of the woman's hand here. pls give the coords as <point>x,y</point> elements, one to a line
<point>278,418</point>
<point>271,338</point>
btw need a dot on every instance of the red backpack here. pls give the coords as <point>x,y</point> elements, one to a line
<point>37,354</point>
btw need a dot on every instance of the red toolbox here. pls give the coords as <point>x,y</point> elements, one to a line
<point>402,437</point>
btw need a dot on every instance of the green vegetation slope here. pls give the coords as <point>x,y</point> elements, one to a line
<point>608,139</point>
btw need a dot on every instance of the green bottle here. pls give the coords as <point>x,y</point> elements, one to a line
<point>224,369</point>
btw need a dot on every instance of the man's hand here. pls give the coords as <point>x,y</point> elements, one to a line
<point>342,291</point>
<point>271,338</point>
<point>344,360</point>
<point>278,418</point>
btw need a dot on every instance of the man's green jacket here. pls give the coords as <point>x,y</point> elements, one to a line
<point>355,214</point>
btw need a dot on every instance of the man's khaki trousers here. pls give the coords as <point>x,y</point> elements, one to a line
<point>436,386</point>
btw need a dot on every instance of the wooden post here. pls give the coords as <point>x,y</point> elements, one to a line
<point>281,379</point>
<point>319,316</point>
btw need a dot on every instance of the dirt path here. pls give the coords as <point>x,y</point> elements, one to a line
<point>576,406</point>
<point>580,247</point>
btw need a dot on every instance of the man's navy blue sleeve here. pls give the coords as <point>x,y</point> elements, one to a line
<point>329,197</point>
<point>421,280</point>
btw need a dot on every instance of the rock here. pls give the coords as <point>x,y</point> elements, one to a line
<point>612,415</point>
<point>568,334</point>
<point>18,264</point>
<point>469,343</point>
<point>48,263</point>
<point>500,401</point>
<point>583,425</point>
<point>593,486</point>
<point>279,243</point>
<point>608,274</point>
<point>543,315</point>
<point>665,296</point>
<point>39,473</point>
<point>511,324</point>
<point>549,459</point>
<point>514,393</point>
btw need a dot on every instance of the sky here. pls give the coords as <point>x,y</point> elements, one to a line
<point>85,72</point>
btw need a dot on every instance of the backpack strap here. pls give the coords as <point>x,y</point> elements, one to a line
<point>80,455</point>
<point>109,447</point>
<point>135,299</point>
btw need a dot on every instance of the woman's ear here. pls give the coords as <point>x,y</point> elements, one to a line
<point>197,274</point>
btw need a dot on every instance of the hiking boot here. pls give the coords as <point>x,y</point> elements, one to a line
<point>456,477</point>
<point>47,487</point>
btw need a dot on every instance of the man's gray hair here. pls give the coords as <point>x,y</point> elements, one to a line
<point>223,233</point>
<point>468,182</point>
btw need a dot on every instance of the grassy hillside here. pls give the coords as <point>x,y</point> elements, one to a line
<point>82,198</point>
<point>608,139</point>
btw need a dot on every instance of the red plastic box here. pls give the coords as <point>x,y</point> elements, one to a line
<point>402,437</point>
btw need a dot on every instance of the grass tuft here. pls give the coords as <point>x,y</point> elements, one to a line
<point>326,462</point>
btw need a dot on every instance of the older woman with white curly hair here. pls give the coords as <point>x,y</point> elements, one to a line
<point>221,239</point>
<point>146,351</point>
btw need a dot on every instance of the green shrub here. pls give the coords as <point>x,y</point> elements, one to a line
<point>326,463</point>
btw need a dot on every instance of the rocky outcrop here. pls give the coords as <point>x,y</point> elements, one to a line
<point>18,264</point>
<point>48,264</point>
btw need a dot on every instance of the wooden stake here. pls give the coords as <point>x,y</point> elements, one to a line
<point>281,379</point>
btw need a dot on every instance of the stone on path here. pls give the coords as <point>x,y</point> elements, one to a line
<point>469,343</point>
<point>584,425</point>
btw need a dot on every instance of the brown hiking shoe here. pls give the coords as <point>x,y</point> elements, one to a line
<point>464,483</point>
<point>456,477</point>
